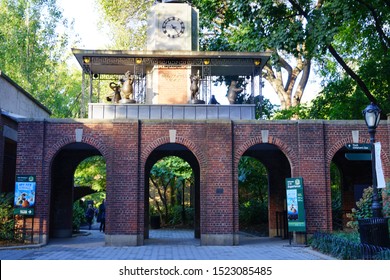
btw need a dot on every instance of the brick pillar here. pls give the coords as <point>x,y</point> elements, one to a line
<point>124,204</point>
<point>29,161</point>
<point>217,192</point>
<point>312,160</point>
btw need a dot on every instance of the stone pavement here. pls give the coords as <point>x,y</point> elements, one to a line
<point>163,244</point>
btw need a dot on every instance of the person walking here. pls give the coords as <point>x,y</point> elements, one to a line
<point>102,216</point>
<point>89,214</point>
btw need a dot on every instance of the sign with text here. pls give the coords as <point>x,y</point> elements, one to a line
<point>358,146</point>
<point>24,200</point>
<point>296,215</point>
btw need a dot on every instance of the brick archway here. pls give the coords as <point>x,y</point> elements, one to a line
<point>154,153</point>
<point>276,175</point>
<point>178,140</point>
<point>281,145</point>
<point>65,157</point>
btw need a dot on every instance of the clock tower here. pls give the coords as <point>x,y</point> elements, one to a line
<point>172,26</point>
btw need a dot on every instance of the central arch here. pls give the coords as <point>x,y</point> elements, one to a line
<point>278,169</point>
<point>181,151</point>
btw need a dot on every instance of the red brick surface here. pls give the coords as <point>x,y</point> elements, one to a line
<point>309,147</point>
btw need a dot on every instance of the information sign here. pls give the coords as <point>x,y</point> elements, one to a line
<point>358,146</point>
<point>296,215</point>
<point>24,201</point>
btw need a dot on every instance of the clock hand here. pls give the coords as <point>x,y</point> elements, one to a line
<point>174,27</point>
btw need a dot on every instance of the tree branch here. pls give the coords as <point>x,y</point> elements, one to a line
<point>352,74</point>
<point>385,41</point>
<point>288,68</point>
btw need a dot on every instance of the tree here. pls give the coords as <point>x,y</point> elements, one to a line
<point>351,32</point>
<point>127,22</point>
<point>91,172</point>
<point>362,39</point>
<point>261,26</point>
<point>253,192</point>
<point>32,53</point>
<point>167,179</point>
<point>348,32</point>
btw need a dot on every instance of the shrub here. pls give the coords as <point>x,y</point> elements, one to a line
<point>347,247</point>
<point>253,212</point>
<point>176,215</point>
<point>7,222</point>
<point>363,209</point>
<point>78,216</point>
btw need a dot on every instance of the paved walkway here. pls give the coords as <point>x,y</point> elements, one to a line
<point>163,245</point>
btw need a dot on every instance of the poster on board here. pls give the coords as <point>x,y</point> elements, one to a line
<point>296,216</point>
<point>24,200</point>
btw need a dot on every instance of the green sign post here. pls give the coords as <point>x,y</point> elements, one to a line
<point>24,201</point>
<point>296,215</point>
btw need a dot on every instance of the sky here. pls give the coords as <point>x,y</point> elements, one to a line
<point>86,16</point>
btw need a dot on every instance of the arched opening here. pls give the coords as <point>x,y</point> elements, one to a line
<point>63,190</point>
<point>172,193</point>
<point>253,196</point>
<point>89,189</point>
<point>351,173</point>
<point>274,167</point>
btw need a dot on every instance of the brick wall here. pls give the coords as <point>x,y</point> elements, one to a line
<point>305,149</point>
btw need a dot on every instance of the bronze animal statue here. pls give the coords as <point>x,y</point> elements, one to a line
<point>194,86</point>
<point>115,96</point>
<point>232,92</point>
<point>127,91</point>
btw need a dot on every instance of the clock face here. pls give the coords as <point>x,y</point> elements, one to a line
<point>173,27</point>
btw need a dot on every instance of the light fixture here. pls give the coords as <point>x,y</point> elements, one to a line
<point>138,60</point>
<point>372,115</point>
<point>257,62</point>
<point>374,231</point>
<point>86,59</point>
<point>206,61</point>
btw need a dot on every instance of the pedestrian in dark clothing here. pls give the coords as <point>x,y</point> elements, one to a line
<point>102,216</point>
<point>89,214</point>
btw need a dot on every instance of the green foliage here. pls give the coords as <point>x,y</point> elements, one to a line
<point>167,179</point>
<point>345,246</point>
<point>176,215</point>
<point>127,22</point>
<point>386,201</point>
<point>351,34</point>
<point>91,172</point>
<point>78,216</point>
<point>363,209</point>
<point>295,112</point>
<point>253,192</point>
<point>252,179</point>
<point>34,53</point>
<point>253,212</point>
<point>258,26</point>
<point>7,222</point>
<point>337,211</point>
<point>336,195</point>
<point>359,33</point>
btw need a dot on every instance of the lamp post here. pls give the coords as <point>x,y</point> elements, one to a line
<point>372,117</point>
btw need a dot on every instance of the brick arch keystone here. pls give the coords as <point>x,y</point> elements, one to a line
<point>287,150</point>
<point>179,140</point>
<point>53,150</point>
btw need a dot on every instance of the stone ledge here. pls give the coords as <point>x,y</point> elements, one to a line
<point>171,112</point>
